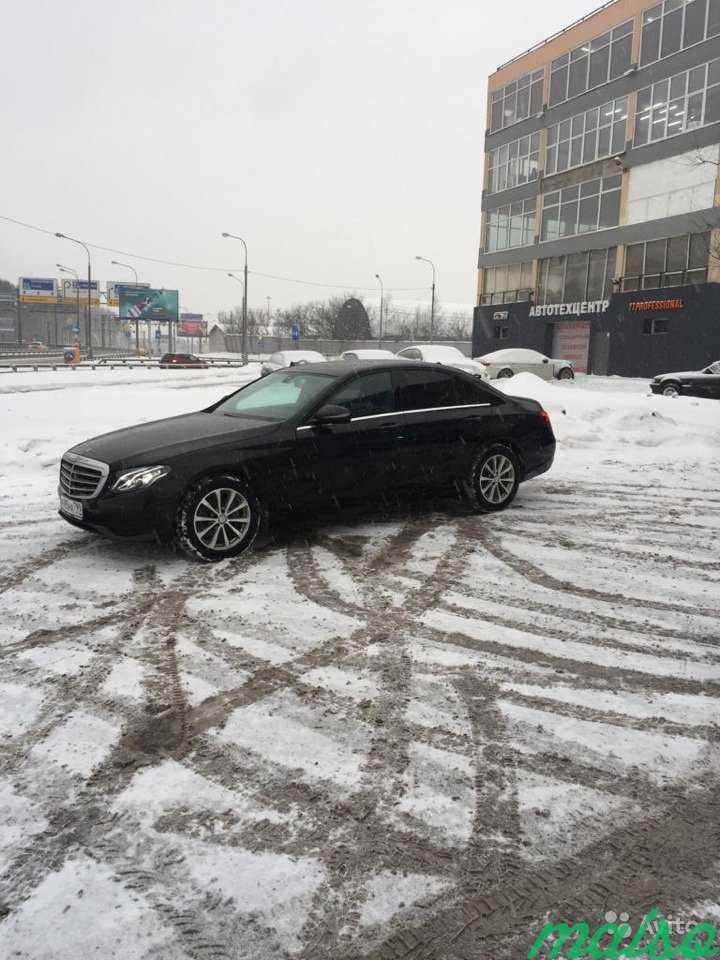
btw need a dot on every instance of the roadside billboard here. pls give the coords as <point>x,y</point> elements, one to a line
<point>113,290</point>
<point>192,325</point>
<point>137,303</point>
<point>37,290</point>
<point>71,289</point>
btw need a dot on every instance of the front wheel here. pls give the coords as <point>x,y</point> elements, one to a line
<point>671,390</point>
<point>505,374</point>
<point>566,374</point>
<point>494,479</point>
<point>218,518</point>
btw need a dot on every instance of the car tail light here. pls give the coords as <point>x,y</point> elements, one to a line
<point>545,417</point>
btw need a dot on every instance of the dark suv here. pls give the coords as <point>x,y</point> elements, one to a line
<point>320,432</point>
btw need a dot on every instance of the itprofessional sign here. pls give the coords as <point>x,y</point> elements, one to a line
<point>192,325</point>
<point>148,304</point>
<point>641,306</point>
<point>37,290</point>
<point>74,288</point>
<point>570,309</point>
<point>113,290</point>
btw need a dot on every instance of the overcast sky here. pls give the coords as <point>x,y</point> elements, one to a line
<point>339,138</point>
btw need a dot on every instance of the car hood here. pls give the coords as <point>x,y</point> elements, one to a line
<point>683,373</point>
<point>152,443</point>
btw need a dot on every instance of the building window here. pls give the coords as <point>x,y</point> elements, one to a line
<point>586,137</point>
<point>577,277</point>
<point>684,102</point>
<point>583,208</point>
<point>653,325</point>
<point>507,283</point>
<point>671,262</point>
<point>501,332</point>
<point>592,64</point>
<point>676,24</point>
<point>518,100</point>
<point>511,226</point>
<point>514,163</point>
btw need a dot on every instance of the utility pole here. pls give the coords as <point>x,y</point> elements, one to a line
<point>63,236</point>
<point>382,301</point>
<point>432,298</point>
<point>234,236</point>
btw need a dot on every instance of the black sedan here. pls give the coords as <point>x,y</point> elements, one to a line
<point>690,383</point>
<point>318,433</point>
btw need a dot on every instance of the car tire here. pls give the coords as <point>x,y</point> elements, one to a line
<point>200,536</point>
<point>505,374</point>
<point>566,374</point>
<point>671,390</point>
<point>493,481</point>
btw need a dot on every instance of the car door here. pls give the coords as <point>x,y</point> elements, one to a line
<point>360,457</point>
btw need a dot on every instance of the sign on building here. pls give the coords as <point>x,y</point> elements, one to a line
<point>570,309</point>
<point>37,290</point>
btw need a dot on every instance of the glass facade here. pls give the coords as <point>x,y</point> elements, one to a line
<point>591,64</point>
<point>676,24</point>
<point>507,283</point>
<point>586,137</point>
<point>577,277</point>
<point>514,163</point>
<point>518,100</point>
<point>583,208</point>
<point>671,262</point>
<point>512,225</point>
<point>684,102</point>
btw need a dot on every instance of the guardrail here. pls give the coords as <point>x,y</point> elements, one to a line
<point>119,365</point>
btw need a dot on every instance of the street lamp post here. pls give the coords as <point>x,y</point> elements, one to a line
<point>382,301</point>
<point>77,291</point>
<point>243,333</point>
<point>233,236</point>
<point>129,266</point>
<point>432,301</point>
<point>63,236</point>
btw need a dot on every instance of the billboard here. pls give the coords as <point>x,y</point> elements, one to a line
<point>71,289</point>
<point>113,290</point>
<point>192,325</point>
<point>137,303</point>
<point>37,290</point>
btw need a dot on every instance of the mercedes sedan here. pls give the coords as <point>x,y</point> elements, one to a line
<point>690,383</point>
<point>506,363</point>
<point>315,434</point>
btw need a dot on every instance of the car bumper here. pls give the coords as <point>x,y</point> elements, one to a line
<point>139,515</point>
<point>540,461</point>
<point>659,387</point>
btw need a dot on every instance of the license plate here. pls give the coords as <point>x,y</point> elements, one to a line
<point>71,507</point>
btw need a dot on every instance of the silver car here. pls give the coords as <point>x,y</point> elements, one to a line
<point>368,354</point>
<point>506,363</point>
<point>289,358</point>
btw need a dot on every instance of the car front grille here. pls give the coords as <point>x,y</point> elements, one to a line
<point>81,478</point>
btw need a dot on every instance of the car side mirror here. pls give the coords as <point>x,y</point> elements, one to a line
<point>545,360</point>
<point>332,413</point>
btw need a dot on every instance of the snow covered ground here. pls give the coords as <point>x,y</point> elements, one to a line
<point>407,732</point>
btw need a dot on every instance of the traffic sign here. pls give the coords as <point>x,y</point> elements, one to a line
<point>295,332</point>
<point>157,334</point>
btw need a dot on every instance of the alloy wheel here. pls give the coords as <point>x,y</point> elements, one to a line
<point>222,519</point>
<point>497,478</point>
<point>671,391</point>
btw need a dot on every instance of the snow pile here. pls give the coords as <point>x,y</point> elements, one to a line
<point>598,417</point>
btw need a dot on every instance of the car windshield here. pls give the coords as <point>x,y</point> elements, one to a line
<point>278,396</point>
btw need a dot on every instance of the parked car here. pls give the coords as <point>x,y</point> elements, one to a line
<point>690,383</point>
<point>320,432</point>
<point>506,363</point>
<point>169,360</point>
<point>289,358</point>
<point>368,354</point>
<point>449,356</point>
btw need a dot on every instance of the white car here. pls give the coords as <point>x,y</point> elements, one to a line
<point>506,363</point>
<point>449,356</point>
<point>289,358</point>
<point>367,355</point>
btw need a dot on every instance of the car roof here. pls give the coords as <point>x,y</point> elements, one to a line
<point>344,368</point>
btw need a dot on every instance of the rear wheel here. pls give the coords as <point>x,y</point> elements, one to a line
<point>217,518</point>
<point>494,479</point>
<point>566,374</point>
<point>505,373</point>
<point>671,390</point>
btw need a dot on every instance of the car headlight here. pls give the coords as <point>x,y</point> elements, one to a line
<point>140,478</point>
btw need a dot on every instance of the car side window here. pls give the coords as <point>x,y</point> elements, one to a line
<point>367,395</point>
<point>410,354</point>
<point>467,392</point>
<point>425,389</point>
